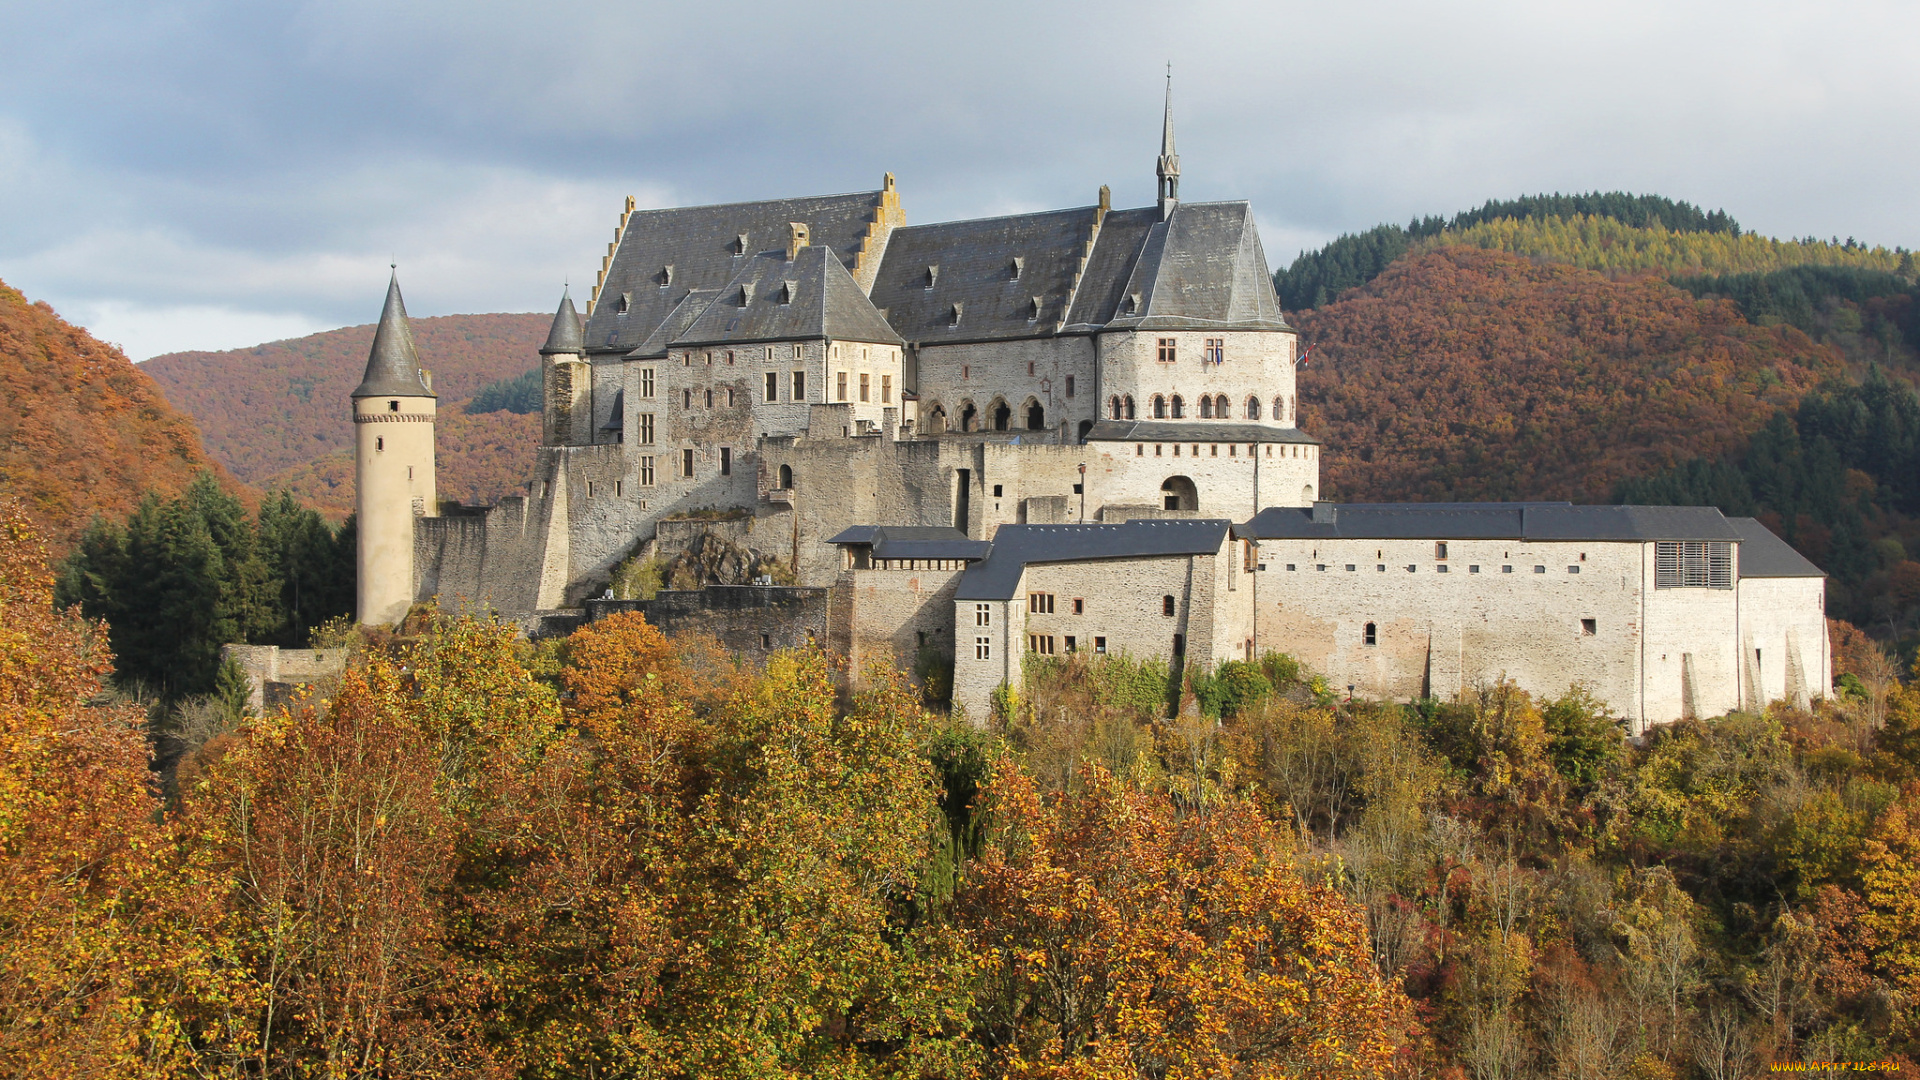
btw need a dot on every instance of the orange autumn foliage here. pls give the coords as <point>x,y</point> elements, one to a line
<point>79,948</point>
<point>83,432</point>
<point>1463,374</point>
<point>1124,935</point>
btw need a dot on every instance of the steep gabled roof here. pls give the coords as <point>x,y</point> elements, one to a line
<point>393,364</point>
<point>973,264</point>
<point>773,298</point>
<point>699,244</point>
<point>1016,546</point>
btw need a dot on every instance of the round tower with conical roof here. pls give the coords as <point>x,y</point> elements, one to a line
<point>566,410</point>
<point>393,415</point>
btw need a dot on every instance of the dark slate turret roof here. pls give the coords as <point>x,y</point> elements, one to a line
<point>997,577</point>
<point>1489,521</point>
<point>699,244</point>
<point>566,334</point>
<point>393,365</point>
<point>1764,555</point>
<point>773,298</point>
<point>1202,268</point>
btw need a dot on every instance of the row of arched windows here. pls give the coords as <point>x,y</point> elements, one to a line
<point>1210,407</point>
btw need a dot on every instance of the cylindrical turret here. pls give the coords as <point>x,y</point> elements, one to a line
<point>393,417</point>
<point>565,380</point>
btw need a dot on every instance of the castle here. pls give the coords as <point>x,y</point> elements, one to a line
<point>1039,433</point>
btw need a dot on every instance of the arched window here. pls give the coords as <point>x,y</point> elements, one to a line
<point>1372,635</point>
<point>1159,407</point>
<point>786,477</point>
<point>1206,407</point>
<point>1166,608</point>
<point>1128,402</point>
<point>1253,408</point>
<point>1115,405</point>
<point>1177,408</point>
<point>1002,413</point>
<point>968,416</point>
<point>1036,416</point>
<point>1179,493</point>
<point>1222,408</point>
<point>1280,408</point>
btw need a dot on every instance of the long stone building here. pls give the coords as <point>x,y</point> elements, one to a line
<point>1049,432</point>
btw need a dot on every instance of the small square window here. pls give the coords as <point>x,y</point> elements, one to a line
<point>1411,568</point>
<point>393,406</point>
<point>1350,568</point>
<point>1380,568</point>
<point>1506,569</point>
<point>1574,569</point>
<point>1474,569</point>
<point>1079,605</point>
<point>1070,644</point>
<point>1442,568</point>
<point>1320,567</point>
<point>1292,568</point>
<point>1539,569</point>
<point>996,490</point>
<point>1100,645</point>
<point>1589,627</point>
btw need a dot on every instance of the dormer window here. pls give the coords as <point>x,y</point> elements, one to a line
<point>933,275</point>
<point>786,292</point>
<point>956,316</point>
<point>666,275</point>
<point>1033,312</point>
<point>1019,264</point>
<point>625,305</point>
<point>1133,304</point>
<point>740,244</point>
<point>746,293</point>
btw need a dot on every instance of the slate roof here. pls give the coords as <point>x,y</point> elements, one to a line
<point>1191,431</point>
<point>1015,547</point>
<point>973,265</point>
<point>1764,555</point>
<point>774,299</point>
<point>1490,521</point>
<point>565,334</point>
<point>393,364</point>
<point>1202,268</point>
<point>698,242</point>
<point>914,542</point>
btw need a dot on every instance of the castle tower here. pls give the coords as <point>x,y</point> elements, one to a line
<point>1168,167</point>
<point>393,413</point>
<point>565,380</point>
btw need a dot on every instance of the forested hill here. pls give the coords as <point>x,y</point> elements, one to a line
<point>276,413</point>
<point>83,432</point>
<point>1463,374</point>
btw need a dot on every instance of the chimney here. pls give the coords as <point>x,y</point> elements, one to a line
<point>796,238</point>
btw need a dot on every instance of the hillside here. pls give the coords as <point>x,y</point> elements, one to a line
<point>1461,373</point>
<point>275,414</point>
<point>84,432</point>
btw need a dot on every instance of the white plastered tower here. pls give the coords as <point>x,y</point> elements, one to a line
<point>393,418</point>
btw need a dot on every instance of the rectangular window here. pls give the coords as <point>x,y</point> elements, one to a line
<point>796,352</point>
<point>646,471</point>
<point>886,389</point>
<point>1167,350</point>
<point>982,615</point>
<point>1473,569</point>
<point>1693,564</point>
<point>1589,627</point>
<point>1215,350</point>
<point>1040,643</point>
<point>1539,569</point>
<point>726,461</point>
<point>1100,645</point>
<point>686,463</point>
<point>866,382</point>
<point>840,390</point>
<point>799,386</point>
<point>1069,643</point>
<point>646,429</point>
<point>1442,568</point>
<point>1440,549</point>
<point>982,648</point>
<point>619,488</point>
<point>1573,569</point>
<point>1079,605</point>
<point>1040,603</point>
<point>1069,386</point>
<point>773,387</point>
<point>646,382</point>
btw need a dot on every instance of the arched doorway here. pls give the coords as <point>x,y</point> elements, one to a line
<point>1086,428</point>
<point>1178,493</point>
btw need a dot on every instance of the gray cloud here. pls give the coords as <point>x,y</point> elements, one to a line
<point>198,174</point>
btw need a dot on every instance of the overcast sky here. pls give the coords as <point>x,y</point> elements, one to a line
<point>180,174</point>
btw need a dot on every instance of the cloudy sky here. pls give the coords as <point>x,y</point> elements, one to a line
<point>207,174</point>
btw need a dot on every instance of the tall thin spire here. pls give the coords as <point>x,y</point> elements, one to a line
<point>1168,169</point>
